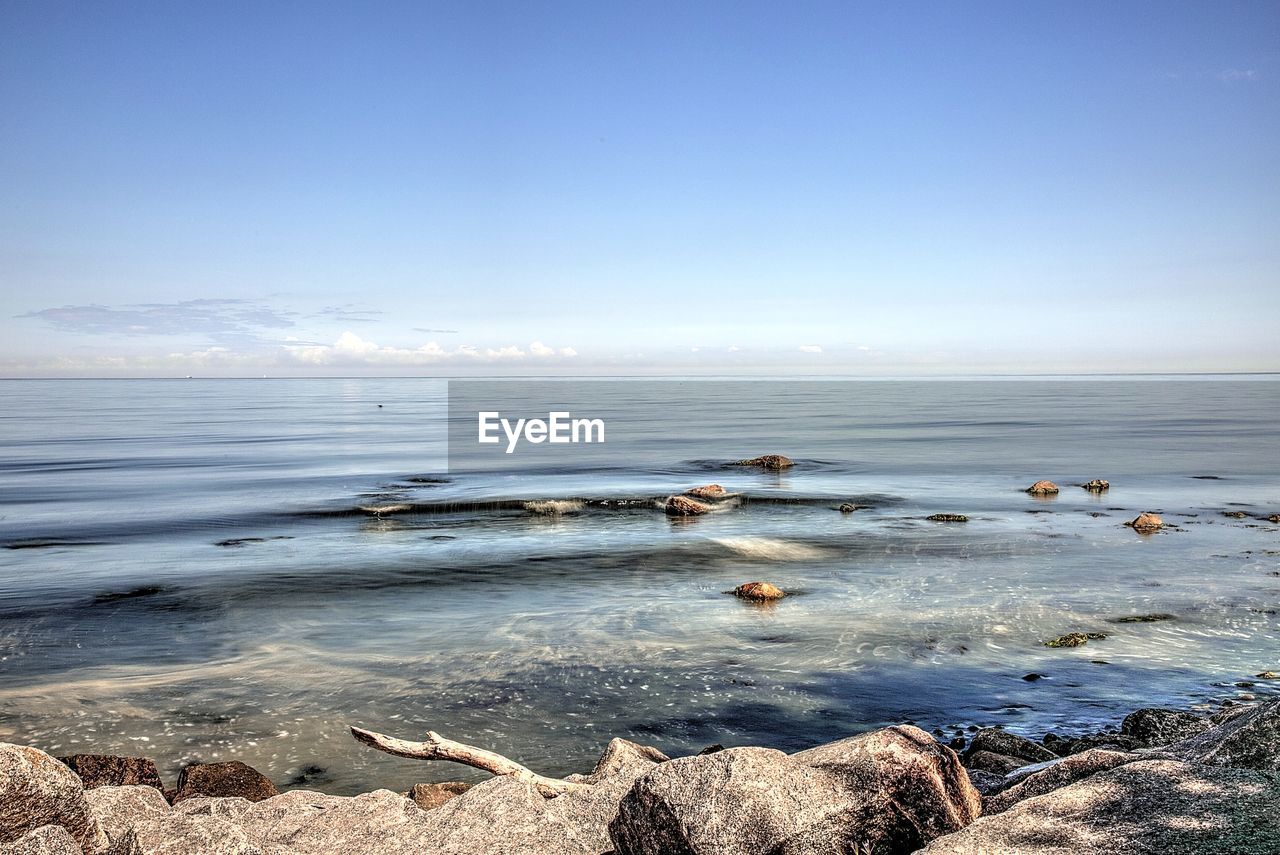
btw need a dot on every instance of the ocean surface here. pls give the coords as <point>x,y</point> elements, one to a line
<point>240,569</point>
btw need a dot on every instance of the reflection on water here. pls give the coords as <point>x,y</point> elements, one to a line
<point>192,576</point>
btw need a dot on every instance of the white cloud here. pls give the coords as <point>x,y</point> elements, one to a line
<point>733,348</point>
<point>811,348</point>
<point>351,349</point>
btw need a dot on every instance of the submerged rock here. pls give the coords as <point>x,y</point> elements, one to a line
<point>1268,675</point>
<point>683,506</point>
<point>1146,522</point>
<point>35,791</point>
<point>1075,639</point>
<point>759,591</point>
<point>1275,518</point>
<point>1149,806</point>
<point>1148,618</point>
<point>848,508</point>
<point>1043,488</point>
<point>224,779</point>
<point>947,518</point>
<point>1097,485</point>
<point>110,770</point>
<point>429,796</point>
<point>1154,726</point>
<point>767,461</point>
<point>890,791</point>
<point>707,491</point>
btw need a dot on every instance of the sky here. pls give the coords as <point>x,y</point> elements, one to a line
<point>319,189</point>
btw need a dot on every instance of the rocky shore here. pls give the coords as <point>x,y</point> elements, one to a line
<point>1164,780</point>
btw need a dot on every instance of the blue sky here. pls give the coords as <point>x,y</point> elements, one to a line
<point>888,188</point>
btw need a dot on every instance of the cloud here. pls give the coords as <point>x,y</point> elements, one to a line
<point>733,348</point>
<point>349,313</point>
<point>433,332</point>
<point>1234,75</point>
<point>811,348</point>
<point>351,349</point>
<point>215,318</point>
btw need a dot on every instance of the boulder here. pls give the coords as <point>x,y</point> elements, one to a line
<point>117,809</point>
<point>224,779</point>
<point>1250,740</point>
<point>758,591</point>
<point>110,770</point>
<point>985,783</point>
<point>888,791</point>
<point>301,822</point>
<point>683,506</point>
<point>1153,726</point>
<point>428,796</point>
<point>1097,485</point>
<point>45,840</point>
<point>947,518</point>
<point>767,461</point>
<point>1075,639</point>
<point>848,508</point>
<point>1268,675</point>
<point>1055,775</point>
<point>1043,488</point>
<point>1146,522</point>
<point>36,790</point>
<point>993,763</point>
<point>1148,806</point>
<point>179,834</point>
<point>707,491</point>
<point>225,807</point>
<point>1000,741</point>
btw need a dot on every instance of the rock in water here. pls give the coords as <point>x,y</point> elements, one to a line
<point>1097,485</point>
<point>1153,726</point>
<point>36,790</point>
<point>683,506</point>
<point>707,491</point>
<point>1043,488</point>
<point>1149,806</point>
<point>45,840</point>
<point>1146,522</point>
<point>1000,741</point>
<point>1250,740</point>
<point>759,591</point>
<point>224,779</point>
<point>110,770</point>
<point>848,508</point>
<point>947,518</point>
<point>888,791</point>
<point>767,461</point>
<point>1075,639</point>
<point>118,809</point>
<point>429,796</point>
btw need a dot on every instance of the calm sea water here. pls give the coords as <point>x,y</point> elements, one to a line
<point>187,572</point>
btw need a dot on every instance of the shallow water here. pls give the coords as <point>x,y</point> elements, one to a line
<point>188,574</point>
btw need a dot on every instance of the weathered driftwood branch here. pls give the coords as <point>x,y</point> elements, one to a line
<point>436,747</point>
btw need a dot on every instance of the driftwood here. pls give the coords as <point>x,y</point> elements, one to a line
<point>436,747</point>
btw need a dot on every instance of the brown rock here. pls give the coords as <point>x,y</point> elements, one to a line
<point>1268,675</point>
<point>1059,774</point>
<point>1097,485</point>
<point>224,779</point>
<point>767,461</point>
<point>1274,518</point>
<point>1146,522</point>
<point>848,508</point>
<point>45,840</point>
<point>947,518</point>
<point>110,770</point>
<point>36,790</point>
<point>707,491</point>
<point>1235,515</point>
<point>1075,639</point>
<point>1043,488</point>
<point>759,591</point>
<point>428,796</point>
<point>683,506</point>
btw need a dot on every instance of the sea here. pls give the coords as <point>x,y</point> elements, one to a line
<point>200,570</point>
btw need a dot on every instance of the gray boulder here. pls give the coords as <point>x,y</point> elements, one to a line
<point>307,823</point>
<point>178,834</point>
<point>999,741</point>
<point>36,790</point>
<point>224,807</point>
<point>1055,775</point>
<point>45,840</point>
<point>1250,740</point>
<point>1151,727</point>
<point>118,809</point>
<point>1149,806</point>
<point>888,791</point>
